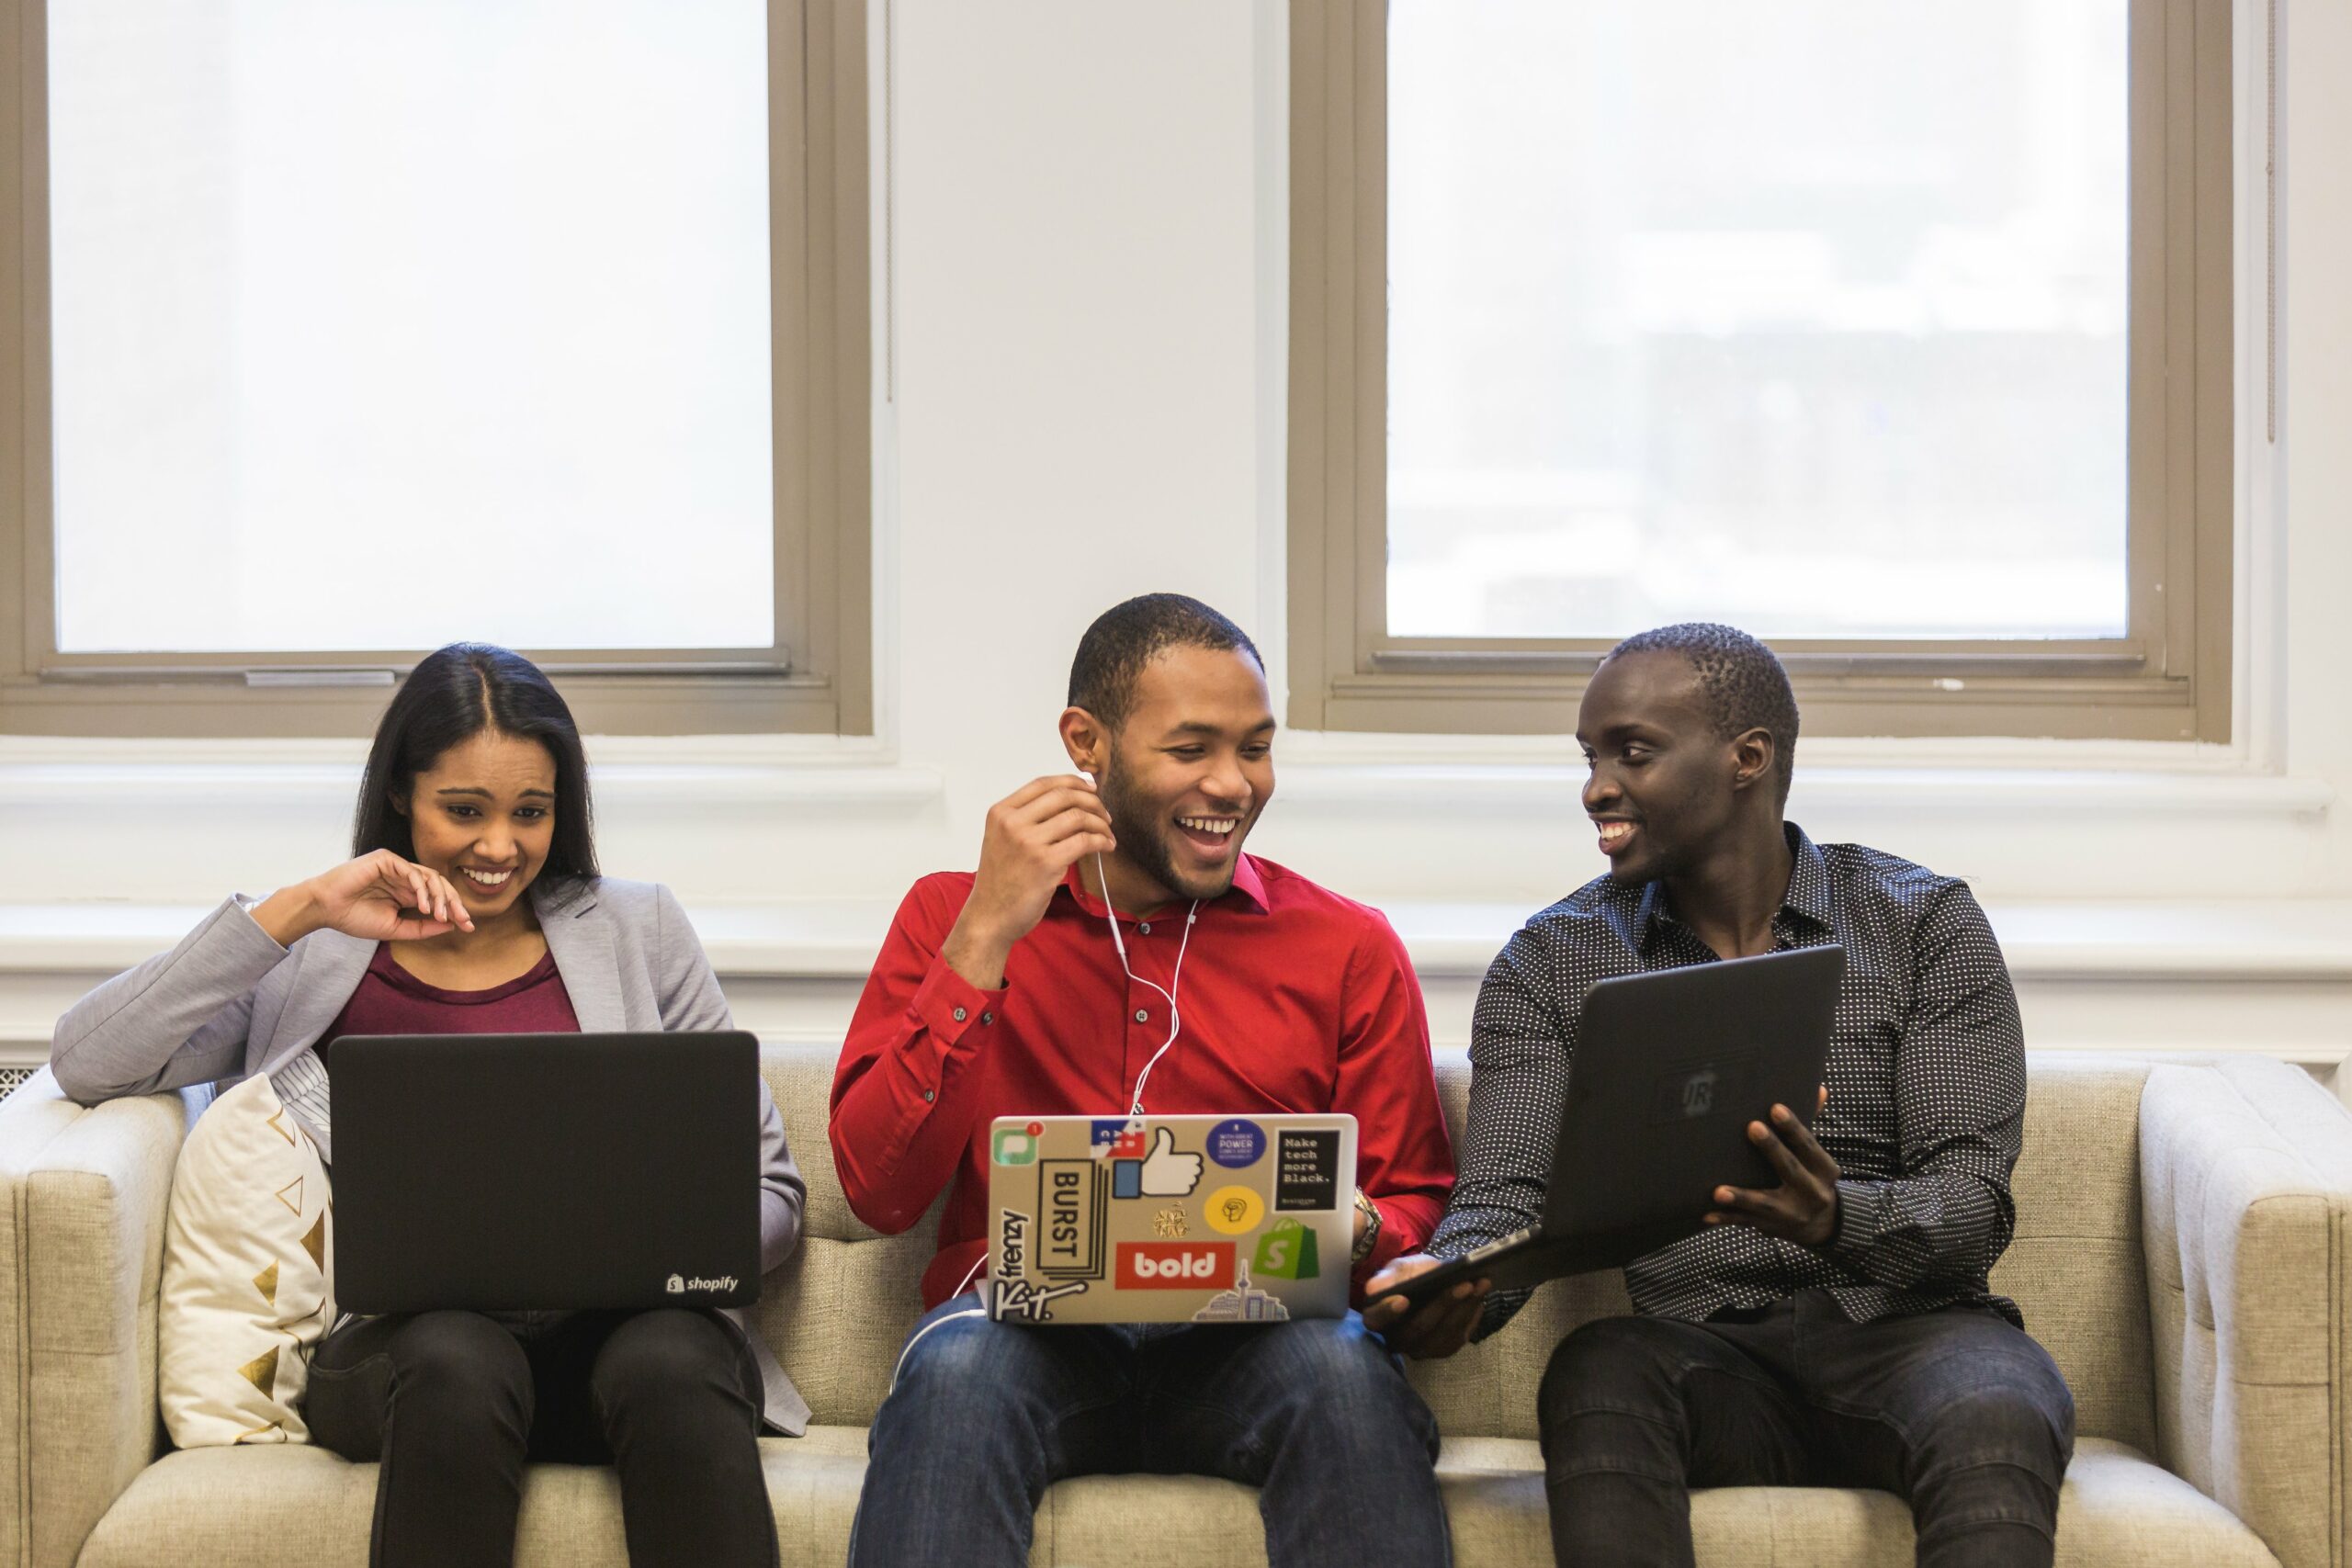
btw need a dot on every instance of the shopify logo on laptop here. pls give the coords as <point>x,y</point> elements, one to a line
<point>678,1285</point>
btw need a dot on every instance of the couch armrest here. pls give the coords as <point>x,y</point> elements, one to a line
<point>2246,1200</point>
<point>81,1252</point>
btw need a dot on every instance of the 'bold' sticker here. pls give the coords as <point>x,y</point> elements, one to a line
<point>1175,1265</point>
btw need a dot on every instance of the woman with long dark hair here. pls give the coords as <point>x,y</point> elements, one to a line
<point>474,905</point>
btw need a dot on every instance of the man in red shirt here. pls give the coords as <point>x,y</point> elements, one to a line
<point>1000,993</point>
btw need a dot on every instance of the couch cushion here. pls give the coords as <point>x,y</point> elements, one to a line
<point>2117,1508</point>
<point>801,1079</point>
<point>1488,1390</point>
<point>837,1315</point>
<point>302,1507</point>
<point>2077,1265</point>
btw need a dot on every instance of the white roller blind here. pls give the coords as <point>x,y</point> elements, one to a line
<point>379,324</point>
<point>1808,316</point>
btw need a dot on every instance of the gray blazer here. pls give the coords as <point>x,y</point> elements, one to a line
<point>228,1002</point>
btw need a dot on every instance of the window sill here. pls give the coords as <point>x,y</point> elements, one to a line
<point>2226,940</point>
<point>722,770</point>
<point>1546,774</point>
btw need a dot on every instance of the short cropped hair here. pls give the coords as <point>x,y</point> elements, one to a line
<point>1746,686</point>
<point>1125,638</point>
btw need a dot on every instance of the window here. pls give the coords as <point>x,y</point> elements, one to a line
<point>1846,325</point>
<point>372,325</point>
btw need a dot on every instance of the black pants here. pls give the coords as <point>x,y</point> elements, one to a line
<point>1957,1411</point>
<point>451,1404</point>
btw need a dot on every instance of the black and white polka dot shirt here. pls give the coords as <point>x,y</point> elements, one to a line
<point>1927,1089</point>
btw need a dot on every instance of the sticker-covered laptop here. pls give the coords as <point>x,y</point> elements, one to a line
<point>1169,1219</point>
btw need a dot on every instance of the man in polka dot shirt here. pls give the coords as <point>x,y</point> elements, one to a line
<point>1838,1329</point>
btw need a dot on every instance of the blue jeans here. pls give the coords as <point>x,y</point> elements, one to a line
<point>984,1416</point>
<point>1957,1411</point>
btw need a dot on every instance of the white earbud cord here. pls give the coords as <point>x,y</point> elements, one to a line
<point>1134,1100</point>
<point>1175,981</point>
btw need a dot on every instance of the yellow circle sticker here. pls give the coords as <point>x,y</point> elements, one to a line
<point>1232,1210</point>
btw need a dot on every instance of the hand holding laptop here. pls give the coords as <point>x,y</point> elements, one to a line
<point>1432,1329</point>
<point>1804,1208</point>
<point>1650,1128</point>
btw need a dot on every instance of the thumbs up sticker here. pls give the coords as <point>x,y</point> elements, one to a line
<point>1166,1173</point>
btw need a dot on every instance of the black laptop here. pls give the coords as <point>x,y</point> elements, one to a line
<point>1669,1069</point>
<point>510,1172</point>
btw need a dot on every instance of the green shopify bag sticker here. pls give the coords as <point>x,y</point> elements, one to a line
<point>1286,1252</point>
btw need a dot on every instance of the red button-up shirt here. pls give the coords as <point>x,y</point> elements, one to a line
<point>1292,1000</point>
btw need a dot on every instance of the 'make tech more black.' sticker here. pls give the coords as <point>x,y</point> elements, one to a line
<point>1307,1171</point>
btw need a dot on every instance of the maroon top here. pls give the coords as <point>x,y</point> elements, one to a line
<point>390,1001</point>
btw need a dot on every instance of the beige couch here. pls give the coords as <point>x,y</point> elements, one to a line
<point>2182,1249</point>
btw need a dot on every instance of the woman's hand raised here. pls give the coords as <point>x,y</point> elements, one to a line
<point>379,897</point>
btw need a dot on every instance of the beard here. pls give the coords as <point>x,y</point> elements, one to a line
<point>1143,838</point>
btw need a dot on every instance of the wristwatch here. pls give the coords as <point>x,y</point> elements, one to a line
<point>1371,1212</point>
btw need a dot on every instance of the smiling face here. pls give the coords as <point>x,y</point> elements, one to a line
<point>1191,768</point>
<point>1665,785</point>
<point>483,816</point>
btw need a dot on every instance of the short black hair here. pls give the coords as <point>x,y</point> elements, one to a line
<point>1125,638</point>
<point>1746,686</point>
<point>452,696</point>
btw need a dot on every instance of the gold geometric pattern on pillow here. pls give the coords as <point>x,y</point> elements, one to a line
<point>315,1240</point>
<point>262,1372</point>
<point>244,1295</point>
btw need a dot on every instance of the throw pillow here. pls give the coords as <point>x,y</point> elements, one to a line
<point>247,1291</point>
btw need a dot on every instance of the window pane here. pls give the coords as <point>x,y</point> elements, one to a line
<point>1807,316</point>
<point>384,323</point>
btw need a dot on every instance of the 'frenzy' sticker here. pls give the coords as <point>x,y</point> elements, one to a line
<point>1013,1243</point>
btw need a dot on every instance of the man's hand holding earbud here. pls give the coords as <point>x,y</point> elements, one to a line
<point>1035,835</point>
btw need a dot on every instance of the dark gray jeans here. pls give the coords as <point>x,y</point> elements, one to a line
<point>1957,1411</point>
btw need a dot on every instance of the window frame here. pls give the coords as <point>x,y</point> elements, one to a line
<point>816,676</point>
<point>2167,678</point>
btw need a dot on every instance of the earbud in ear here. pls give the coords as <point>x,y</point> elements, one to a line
<point>1088,774</point>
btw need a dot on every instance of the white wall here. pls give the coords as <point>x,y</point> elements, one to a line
<point>1085,343</point>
